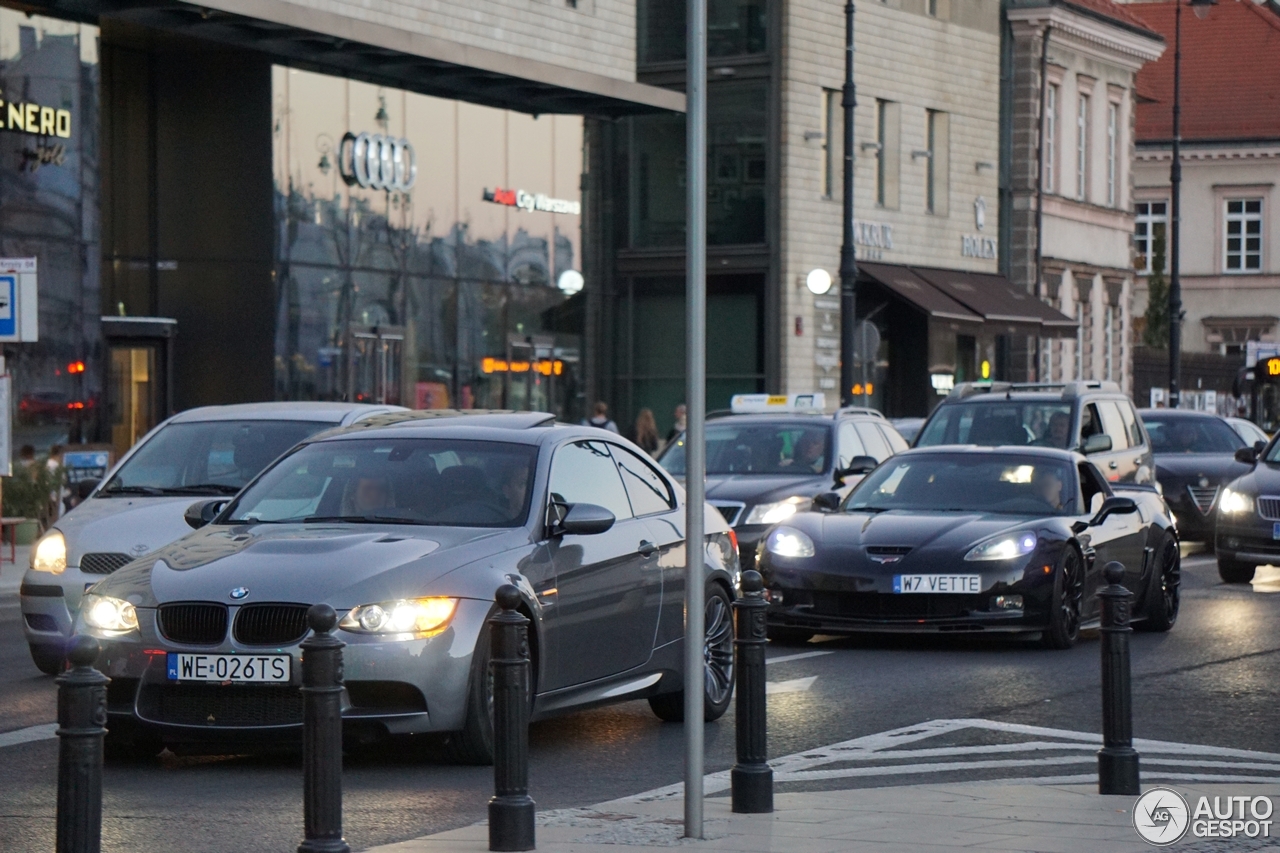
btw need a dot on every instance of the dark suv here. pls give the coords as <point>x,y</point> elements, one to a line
<point>1095,418</point>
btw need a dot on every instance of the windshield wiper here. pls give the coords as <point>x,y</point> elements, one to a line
<point>132,490</point>
<point>357,519</point>
<point>871,509</point>
<point>202,489</point>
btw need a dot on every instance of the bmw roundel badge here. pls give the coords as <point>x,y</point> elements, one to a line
<point>239,592</point>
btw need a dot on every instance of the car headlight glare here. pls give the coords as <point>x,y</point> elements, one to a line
<point>50,554</point>
<point>1234,503</point>
<point>418,616</point>
<point>778,511</point>
<point>1004,548</point>
<point>789,542</point>
<point>109,614</point>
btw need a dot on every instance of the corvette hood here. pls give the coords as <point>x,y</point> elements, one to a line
<point>754,489</point>
<point>124,525</point>
<point>341,564</point>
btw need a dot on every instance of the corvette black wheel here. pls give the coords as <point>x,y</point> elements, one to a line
<point>1166,594</point>
<point>717,657</point>
<point>1068,595</point>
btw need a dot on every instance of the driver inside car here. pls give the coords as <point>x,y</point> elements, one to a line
<point>369,495</point>
<point>1048,487</point>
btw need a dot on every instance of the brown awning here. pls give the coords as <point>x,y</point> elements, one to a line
<point>998,300</point>
<point>920,293</point>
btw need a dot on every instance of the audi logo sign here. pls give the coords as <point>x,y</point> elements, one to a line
<point>377,162</point>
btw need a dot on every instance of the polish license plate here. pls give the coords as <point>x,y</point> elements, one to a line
<point>937,583</point>
<point>1275,530</point>
<point>243,669</point>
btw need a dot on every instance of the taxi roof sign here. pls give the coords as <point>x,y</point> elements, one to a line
<point>756,404</point>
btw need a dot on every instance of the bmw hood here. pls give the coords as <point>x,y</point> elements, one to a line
<point>343,565</point>
<point>123,525</point>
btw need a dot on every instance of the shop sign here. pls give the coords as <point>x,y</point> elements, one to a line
<point>531,202</point>
<point>975,246</point>
<point>375,161</point>
<point>544,366</point>
<point>35,119</point>
<point>942,382</point>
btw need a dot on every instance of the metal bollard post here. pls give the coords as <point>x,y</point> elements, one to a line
<point>751,777</point>
<point>322,735</point>
<point>82,717</point>
<point>1117,760</point>
<point>511,810</point>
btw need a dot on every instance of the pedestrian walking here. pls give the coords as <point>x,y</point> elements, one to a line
<point>680,424</point>
<point>600,418</point>
<point>646,434</point>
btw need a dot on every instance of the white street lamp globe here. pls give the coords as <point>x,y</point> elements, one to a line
<point>818,281</point>
<point>570,282</point>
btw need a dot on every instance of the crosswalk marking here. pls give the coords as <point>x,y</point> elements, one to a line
<point>795,685</point>
<point>798,656</point>
<point>29,734</point>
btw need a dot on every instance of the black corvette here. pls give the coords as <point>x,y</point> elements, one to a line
<point>969,539</point>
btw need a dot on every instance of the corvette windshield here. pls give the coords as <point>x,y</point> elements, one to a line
<point>960,482</point>
<point>446,482</point>
<point>786,447</point>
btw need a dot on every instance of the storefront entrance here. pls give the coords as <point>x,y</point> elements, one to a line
<point>140,377</point>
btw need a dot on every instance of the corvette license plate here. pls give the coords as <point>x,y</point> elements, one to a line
<point>937,583</point>
<point>243,669</point>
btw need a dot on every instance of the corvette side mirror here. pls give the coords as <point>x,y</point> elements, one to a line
<point>202,512</point>
<point>1114,505</point>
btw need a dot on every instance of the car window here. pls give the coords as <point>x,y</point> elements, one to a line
<point>897,443</point>
<point>1012,422</point>
<point>1090,422</point>
<point>786,447</point>
<point>1130,418</point>
<point>584,472</point>
<point>1191,435</point>
<point>441,482</point>
<point>1092,484</point>
<point>209,457</point>
<point>1020,484</point>
<point>1113,424</point>
<point>848,444</point>
<point>648,491</point>
<point>874,441</point>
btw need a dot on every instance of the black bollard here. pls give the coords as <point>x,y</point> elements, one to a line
<point>751,777</point>
<point>82,717</point>
<point>322,735</point>
<point>511,811</point>
<point>1117,760</point>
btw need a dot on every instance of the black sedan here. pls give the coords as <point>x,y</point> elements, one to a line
<point>968,539</point>
<point>1195,459</point>
<point>1248,530</point>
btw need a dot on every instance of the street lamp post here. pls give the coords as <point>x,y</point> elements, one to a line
<point>848,260</point>
<point>1201,9</point>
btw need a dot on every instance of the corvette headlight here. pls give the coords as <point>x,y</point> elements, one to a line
<point>420,616</point>
<point>776,512</point>
<point>1004,548</point>
<point>1234,503</point>
<point>789,542</point>
<point>50,554</point>
<point>109,614</point>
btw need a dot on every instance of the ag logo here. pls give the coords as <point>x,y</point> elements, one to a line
<point>1161,816</point>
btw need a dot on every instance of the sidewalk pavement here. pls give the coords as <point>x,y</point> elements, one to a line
<point>11,573</point>
<point>986,816</point>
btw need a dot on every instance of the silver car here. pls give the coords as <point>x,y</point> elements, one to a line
<point>139,505</point>
<point>407,529</point>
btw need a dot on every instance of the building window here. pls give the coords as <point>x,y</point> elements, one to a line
<point>1111,341</point>
<point>882,110</point>
<point>829,104</point>
<point>1150,219</point>
<point>1050,134</point>
<point>888,153</point>
<point>1243,244</point>
<point>932,6</point>
<point>734,28</point>
<point>936,162</point>
<point>1113,130</point>
<point>1082,146</point>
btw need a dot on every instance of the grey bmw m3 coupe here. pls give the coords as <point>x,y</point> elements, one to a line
<point>406,525</point>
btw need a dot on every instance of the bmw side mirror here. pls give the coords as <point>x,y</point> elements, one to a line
<point>1248,455</point>
<point>1099,443</point>
<point>1114,505</point>
<point>858,466</point>
<point>827,501</point>
<point>585,520</point>
<point>202,512</point>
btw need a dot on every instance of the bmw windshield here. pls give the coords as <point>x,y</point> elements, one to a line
<point>968,482</point>
<point>785,447</point>
<point>443,482</point>
<point>206,457</point>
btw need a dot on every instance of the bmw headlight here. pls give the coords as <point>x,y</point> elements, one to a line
<point>778,511</point>
<point>789,542</point>
<point>1235,503</point>
<point>50,554</point>
<point>109,614</point>
<point>418,616</point>
<point>1004,548</point>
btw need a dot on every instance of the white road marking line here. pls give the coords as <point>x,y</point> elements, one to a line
<point>795,685</point>
<point>29,734</point>
<point>800,656</point>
